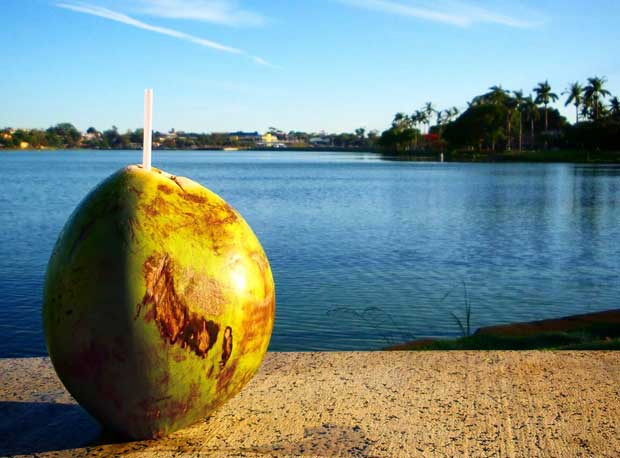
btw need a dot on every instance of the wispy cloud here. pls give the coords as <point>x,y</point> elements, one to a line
<point>123,18</point>
<point>261,61</point>
<point>456,13</point>
<point>226,12</point>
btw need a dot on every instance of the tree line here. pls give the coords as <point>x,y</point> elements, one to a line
<point>500,120</point>
<point>66,135</point>
<point>504,120</point>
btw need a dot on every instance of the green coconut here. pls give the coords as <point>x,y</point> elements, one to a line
<point>158,304</point>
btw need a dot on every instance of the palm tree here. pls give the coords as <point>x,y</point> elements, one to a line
<point>511,104</point>
<point>545,96</point>
<point>614,106</point>
<point>531,111</point>
<point>451,113</point>
<point>595,90</point>
<point>417,117</point>
<point>401,120</point>
<point>445,116</point>
<point>440,117</point>
<point>520,101</point>
<point>497,96</point>
<point>585,108</point>
<point>421,117</point>
<point>575,96</point>
<point>428,110</point>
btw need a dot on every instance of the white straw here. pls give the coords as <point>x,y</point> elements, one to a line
<point>148,128</point>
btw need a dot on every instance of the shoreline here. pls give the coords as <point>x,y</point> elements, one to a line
<point>586,331</point>
<point>600,329</point>
<point>527,157</point>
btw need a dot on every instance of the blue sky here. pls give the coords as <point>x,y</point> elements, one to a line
<point>332,65</point>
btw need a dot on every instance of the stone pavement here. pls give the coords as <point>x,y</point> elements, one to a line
<point>355,404</point>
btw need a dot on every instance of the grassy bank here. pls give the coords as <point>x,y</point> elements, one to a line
<point>592,331</point>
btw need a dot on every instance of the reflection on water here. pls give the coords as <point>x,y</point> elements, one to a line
<point>364,251</point>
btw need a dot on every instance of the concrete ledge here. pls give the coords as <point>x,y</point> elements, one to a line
<point>366,404</point>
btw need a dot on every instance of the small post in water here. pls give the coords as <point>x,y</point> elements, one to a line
<point>148,128</point>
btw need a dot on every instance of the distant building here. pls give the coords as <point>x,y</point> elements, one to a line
<point>271,140</point>
<point>268,138</point>
<point>171,135</point>
<point>91,136</point>
<point>321,141</point>
<point>24,145</point>
<point>244,136</point>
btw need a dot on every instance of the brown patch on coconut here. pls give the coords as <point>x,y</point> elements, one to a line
<point>176,323</point>
<point>165,189</point>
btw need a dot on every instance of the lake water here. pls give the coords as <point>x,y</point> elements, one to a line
<point>365,252</point>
